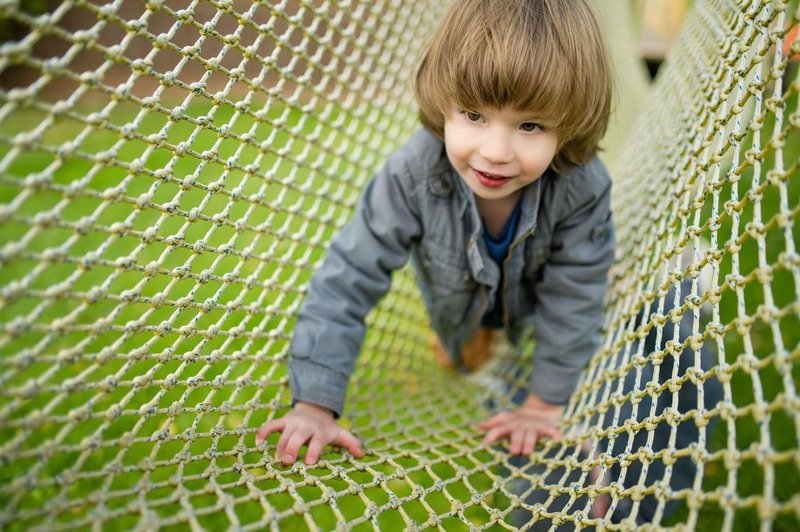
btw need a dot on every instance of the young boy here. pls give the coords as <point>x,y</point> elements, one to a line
<point>503,207</point>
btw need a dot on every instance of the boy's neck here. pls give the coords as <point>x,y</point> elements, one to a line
<point>496,212</point>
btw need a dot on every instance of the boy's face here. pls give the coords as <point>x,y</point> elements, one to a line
<point>498,152</point>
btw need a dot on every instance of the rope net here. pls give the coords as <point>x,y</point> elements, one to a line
<point>170,173</point>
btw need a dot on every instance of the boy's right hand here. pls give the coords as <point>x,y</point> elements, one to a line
<point>312,424</point>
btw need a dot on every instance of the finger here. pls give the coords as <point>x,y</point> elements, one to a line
<point>550,432</point>
<point>496,434</point>
<point>529,441</point>
<point>348,441</point>
<point>517,438</point>
<point>283,440</point>
<point>268,428</point>
<point>298,439</point>
<point>493,421</point>
<point>314,450</point>
<point>586,449</point>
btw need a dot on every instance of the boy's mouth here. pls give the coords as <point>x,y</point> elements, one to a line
<point>491,180</point>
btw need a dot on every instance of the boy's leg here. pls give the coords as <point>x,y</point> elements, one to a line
<point>443,358</point>
<point>683,471</point>
<point>474,354</point>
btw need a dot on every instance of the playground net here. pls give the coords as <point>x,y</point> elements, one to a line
<point>170,174</point>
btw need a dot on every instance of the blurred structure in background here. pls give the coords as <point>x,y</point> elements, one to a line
<point>661,20</point>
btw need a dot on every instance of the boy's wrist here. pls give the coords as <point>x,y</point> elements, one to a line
<point>533,401</point>
<point>306,406</point>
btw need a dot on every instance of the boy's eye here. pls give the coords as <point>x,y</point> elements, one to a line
<point>472,116</point>
<point>530,127</point>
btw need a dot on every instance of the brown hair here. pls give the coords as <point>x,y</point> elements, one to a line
<point>546,56</point>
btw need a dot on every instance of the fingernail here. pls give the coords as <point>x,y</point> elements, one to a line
<point>288,459</point>
<point>259,441</point>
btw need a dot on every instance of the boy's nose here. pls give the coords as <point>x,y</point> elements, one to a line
<point>495,149</point>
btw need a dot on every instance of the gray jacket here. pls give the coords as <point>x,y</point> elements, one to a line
<point>555,275</point>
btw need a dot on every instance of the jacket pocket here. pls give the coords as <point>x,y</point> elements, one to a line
<point>450,284</point>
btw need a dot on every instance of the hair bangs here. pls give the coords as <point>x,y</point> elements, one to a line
<point>496,70</point>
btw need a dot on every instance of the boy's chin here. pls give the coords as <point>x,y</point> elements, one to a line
<point>499,193</point>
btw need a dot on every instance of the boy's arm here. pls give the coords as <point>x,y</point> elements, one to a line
<point>355,274</point>
<point>572,288</point>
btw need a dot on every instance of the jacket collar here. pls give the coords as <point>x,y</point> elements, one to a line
<point>483,268</point>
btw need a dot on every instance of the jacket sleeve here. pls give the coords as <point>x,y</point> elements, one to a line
<point>571,291</point>
<point>355,274</point>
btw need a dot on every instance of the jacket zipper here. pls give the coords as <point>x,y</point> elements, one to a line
<point>503,297</point>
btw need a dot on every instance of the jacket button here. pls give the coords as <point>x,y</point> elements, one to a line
<point>600,233</point>
<point>441,187</point>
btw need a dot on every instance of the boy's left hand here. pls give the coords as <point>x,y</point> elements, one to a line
<point>524,426</point>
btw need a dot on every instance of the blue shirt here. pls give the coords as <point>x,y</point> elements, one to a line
<point>498,249</point>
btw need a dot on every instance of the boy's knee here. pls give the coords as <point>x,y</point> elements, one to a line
<point>474,354</point>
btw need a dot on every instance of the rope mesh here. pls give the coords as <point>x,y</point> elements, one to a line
<point>170,173</point>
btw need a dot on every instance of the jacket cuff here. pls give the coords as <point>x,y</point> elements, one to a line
<point>317,384</point>
<point>554,384</point>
